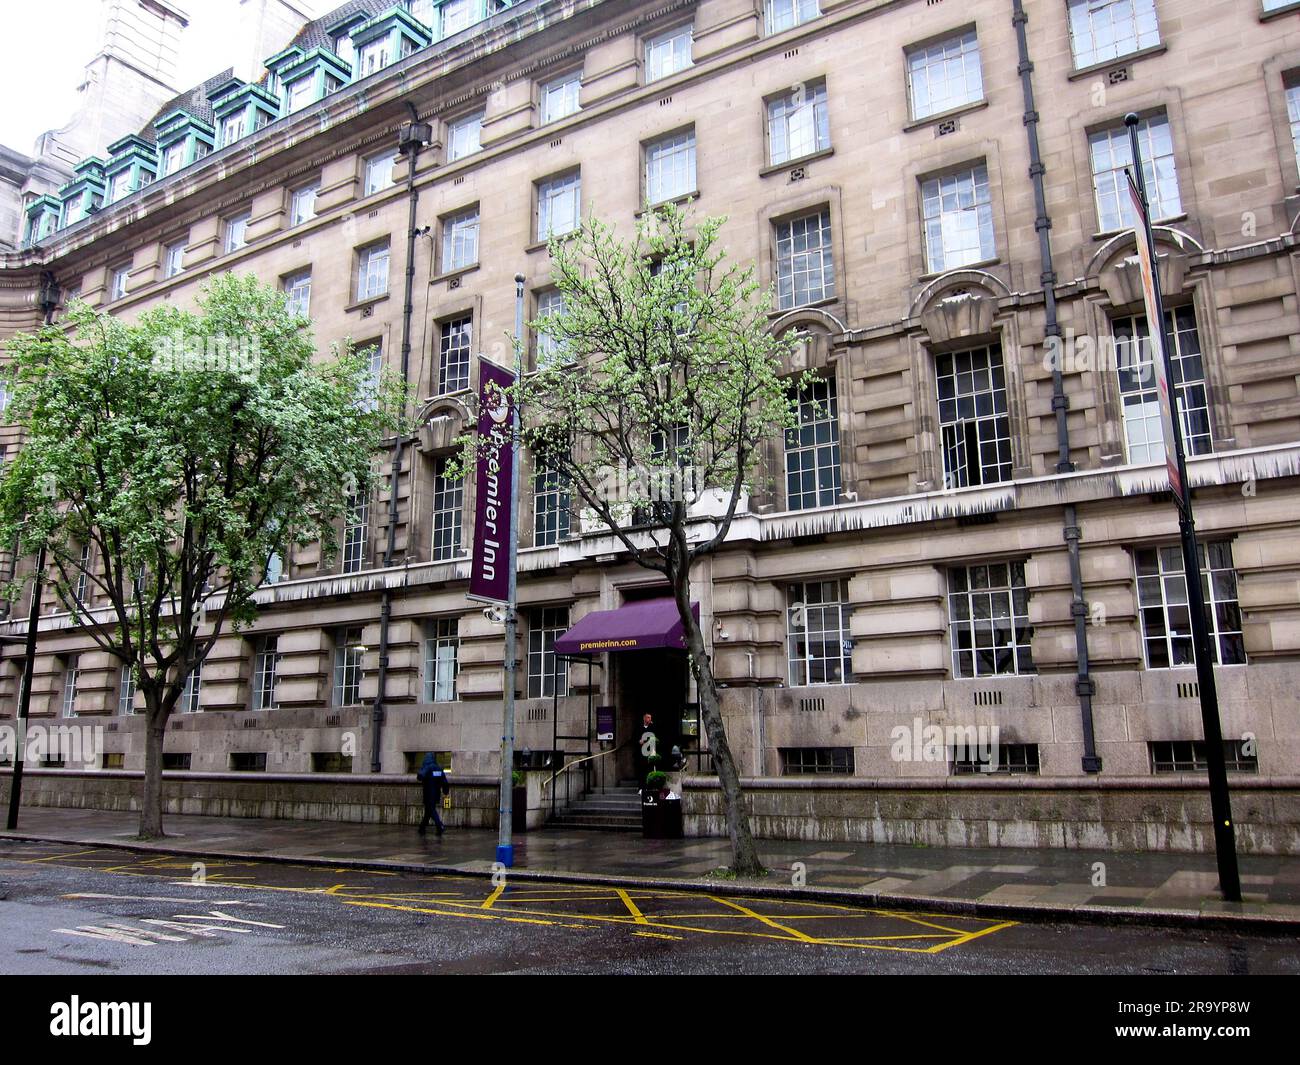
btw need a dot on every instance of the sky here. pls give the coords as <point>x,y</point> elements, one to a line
<point>38,84</point>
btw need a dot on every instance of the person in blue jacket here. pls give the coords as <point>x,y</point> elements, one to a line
<point>433,778</point>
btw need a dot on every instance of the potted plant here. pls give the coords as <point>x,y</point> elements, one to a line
<point>661,812</point>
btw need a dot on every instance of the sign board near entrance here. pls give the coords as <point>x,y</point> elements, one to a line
<point>605,723</point>
<point>493,558</point>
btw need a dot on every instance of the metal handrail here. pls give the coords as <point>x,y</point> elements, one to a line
<point>578,761</point>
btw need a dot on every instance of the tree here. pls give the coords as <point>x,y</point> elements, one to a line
<point>164,463</point>
<point>660,390</point>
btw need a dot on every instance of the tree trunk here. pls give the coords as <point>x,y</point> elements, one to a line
<point>744,854</point>
<point>151,799</point>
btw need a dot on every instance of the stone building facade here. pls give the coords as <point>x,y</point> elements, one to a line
<point>972,527</point>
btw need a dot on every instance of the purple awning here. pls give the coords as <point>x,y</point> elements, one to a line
<point>639,626</point>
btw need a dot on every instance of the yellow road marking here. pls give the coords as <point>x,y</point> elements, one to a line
<point>637,916</point>
<point>765,920</point>
<point>658,935</point>
<point>496,894</point>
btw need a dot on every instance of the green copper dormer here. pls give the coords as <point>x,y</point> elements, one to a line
<point>304,78</point>
<point>340,35</point>
<point>42,219</point>
<point>182,139</point>
<point>132,164</point>
<point>446,18</point>
<point>386,39</point>
<point>84,194</point>
<point>242,109</point>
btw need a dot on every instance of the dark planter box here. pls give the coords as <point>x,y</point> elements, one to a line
<point>661,818</point>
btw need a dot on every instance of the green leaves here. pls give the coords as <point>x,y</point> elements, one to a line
<point>182,450</point>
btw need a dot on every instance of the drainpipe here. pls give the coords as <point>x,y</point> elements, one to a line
<point>1084,685</point>
<point>412,137</point>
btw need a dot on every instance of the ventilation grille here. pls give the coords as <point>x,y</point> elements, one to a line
<point>429,717</point>
<point>1189,689</point>
<point>792,53</point>
<point>798,174</point>
<point>665,101</point>
<point>112,726</point>
<point>811,705</point>
<point>252,722</point>
<point>453,284</point>
<point>977,519</point>
<point>988,698</point>
<point>537,713</point>
<point>176,723</point>
<point>1118,76</point>
<point>945,127</point>
<point>459,180</point>
<point>557,142</point>
<point>333,720</point>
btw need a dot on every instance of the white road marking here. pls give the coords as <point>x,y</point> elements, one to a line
<point>153,898</point>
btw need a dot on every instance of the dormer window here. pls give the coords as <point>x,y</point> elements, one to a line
<point>232,129</point>
<point>456,16</point>
<point>373,57</point>
<point>343,47</point>
<point>300,93</point>
<point>173,158</point>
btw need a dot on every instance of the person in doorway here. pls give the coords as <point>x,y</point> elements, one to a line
<point>647,748</point>
<point>433,779</point>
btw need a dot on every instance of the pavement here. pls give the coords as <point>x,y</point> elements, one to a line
<point>1174,889</point>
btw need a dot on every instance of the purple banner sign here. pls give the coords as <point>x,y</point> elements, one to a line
<point>489,574</point>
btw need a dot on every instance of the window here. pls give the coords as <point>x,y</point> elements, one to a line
<point>670,167</point>
<point>368,399</point>
<point>119,185</point>
<point>173,259</point>
<point>448,500</point>
<point>274,569</point>
<point>117,286</point>
<point>547,676</point>
<point>1111,152</point>
<point>549,302</point>
<point>297,292</point>
<point>464,136</point>
<point>805,265</point>
<point>975,430</point>
<point>1293,114</point>
<point>1135,351</point>
<point>667,53</point>
<point>988,620</point>
<point>355,525</point>
<point>1188,756</point>
<point>126,691</point>
<point>1107,29</point>
<point>83,574</point>
<point>232,129</point>
<point>1166,619</point>
<point>173,157</point>
<point>330,762</point>
<point>372,271</point>
<point>786,14</point>
<point>266,666</point>
<point>550,504</point>
<point>189,703</point>
<point>302,204</point>
<point>71,671</point>
<point>460,240</point>
<point>379,173</point>
<point>1014,758</point>
<point>344,49</point>
<point>248,761</point>
<point>454,355</point>
<point>372,57</point>
<point>559,205</point>
<point>441,660</point>
<point>348,654</point>
<point>803,761</point>
<point>958,214</point>
<point>299,93</point>
<point>817,632</point>
<point>237,231</point>
<point>812,449</point>
<point>176,761</point>
<point>558,99</point>
<point>798,124</point>
<point>456,16</point>
<point>74,211</point>
<point>944,75</point>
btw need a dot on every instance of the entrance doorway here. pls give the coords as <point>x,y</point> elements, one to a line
<point>648,682</point>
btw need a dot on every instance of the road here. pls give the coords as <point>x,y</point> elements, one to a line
<point>71,910</point>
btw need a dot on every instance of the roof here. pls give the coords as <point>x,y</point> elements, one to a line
<point>193,101</point>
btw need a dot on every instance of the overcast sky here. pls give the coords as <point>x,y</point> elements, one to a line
<point>51,42</point>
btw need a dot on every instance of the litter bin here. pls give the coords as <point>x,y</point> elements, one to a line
<point>660,818</point>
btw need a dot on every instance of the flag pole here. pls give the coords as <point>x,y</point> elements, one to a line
<point>1225,847</point>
